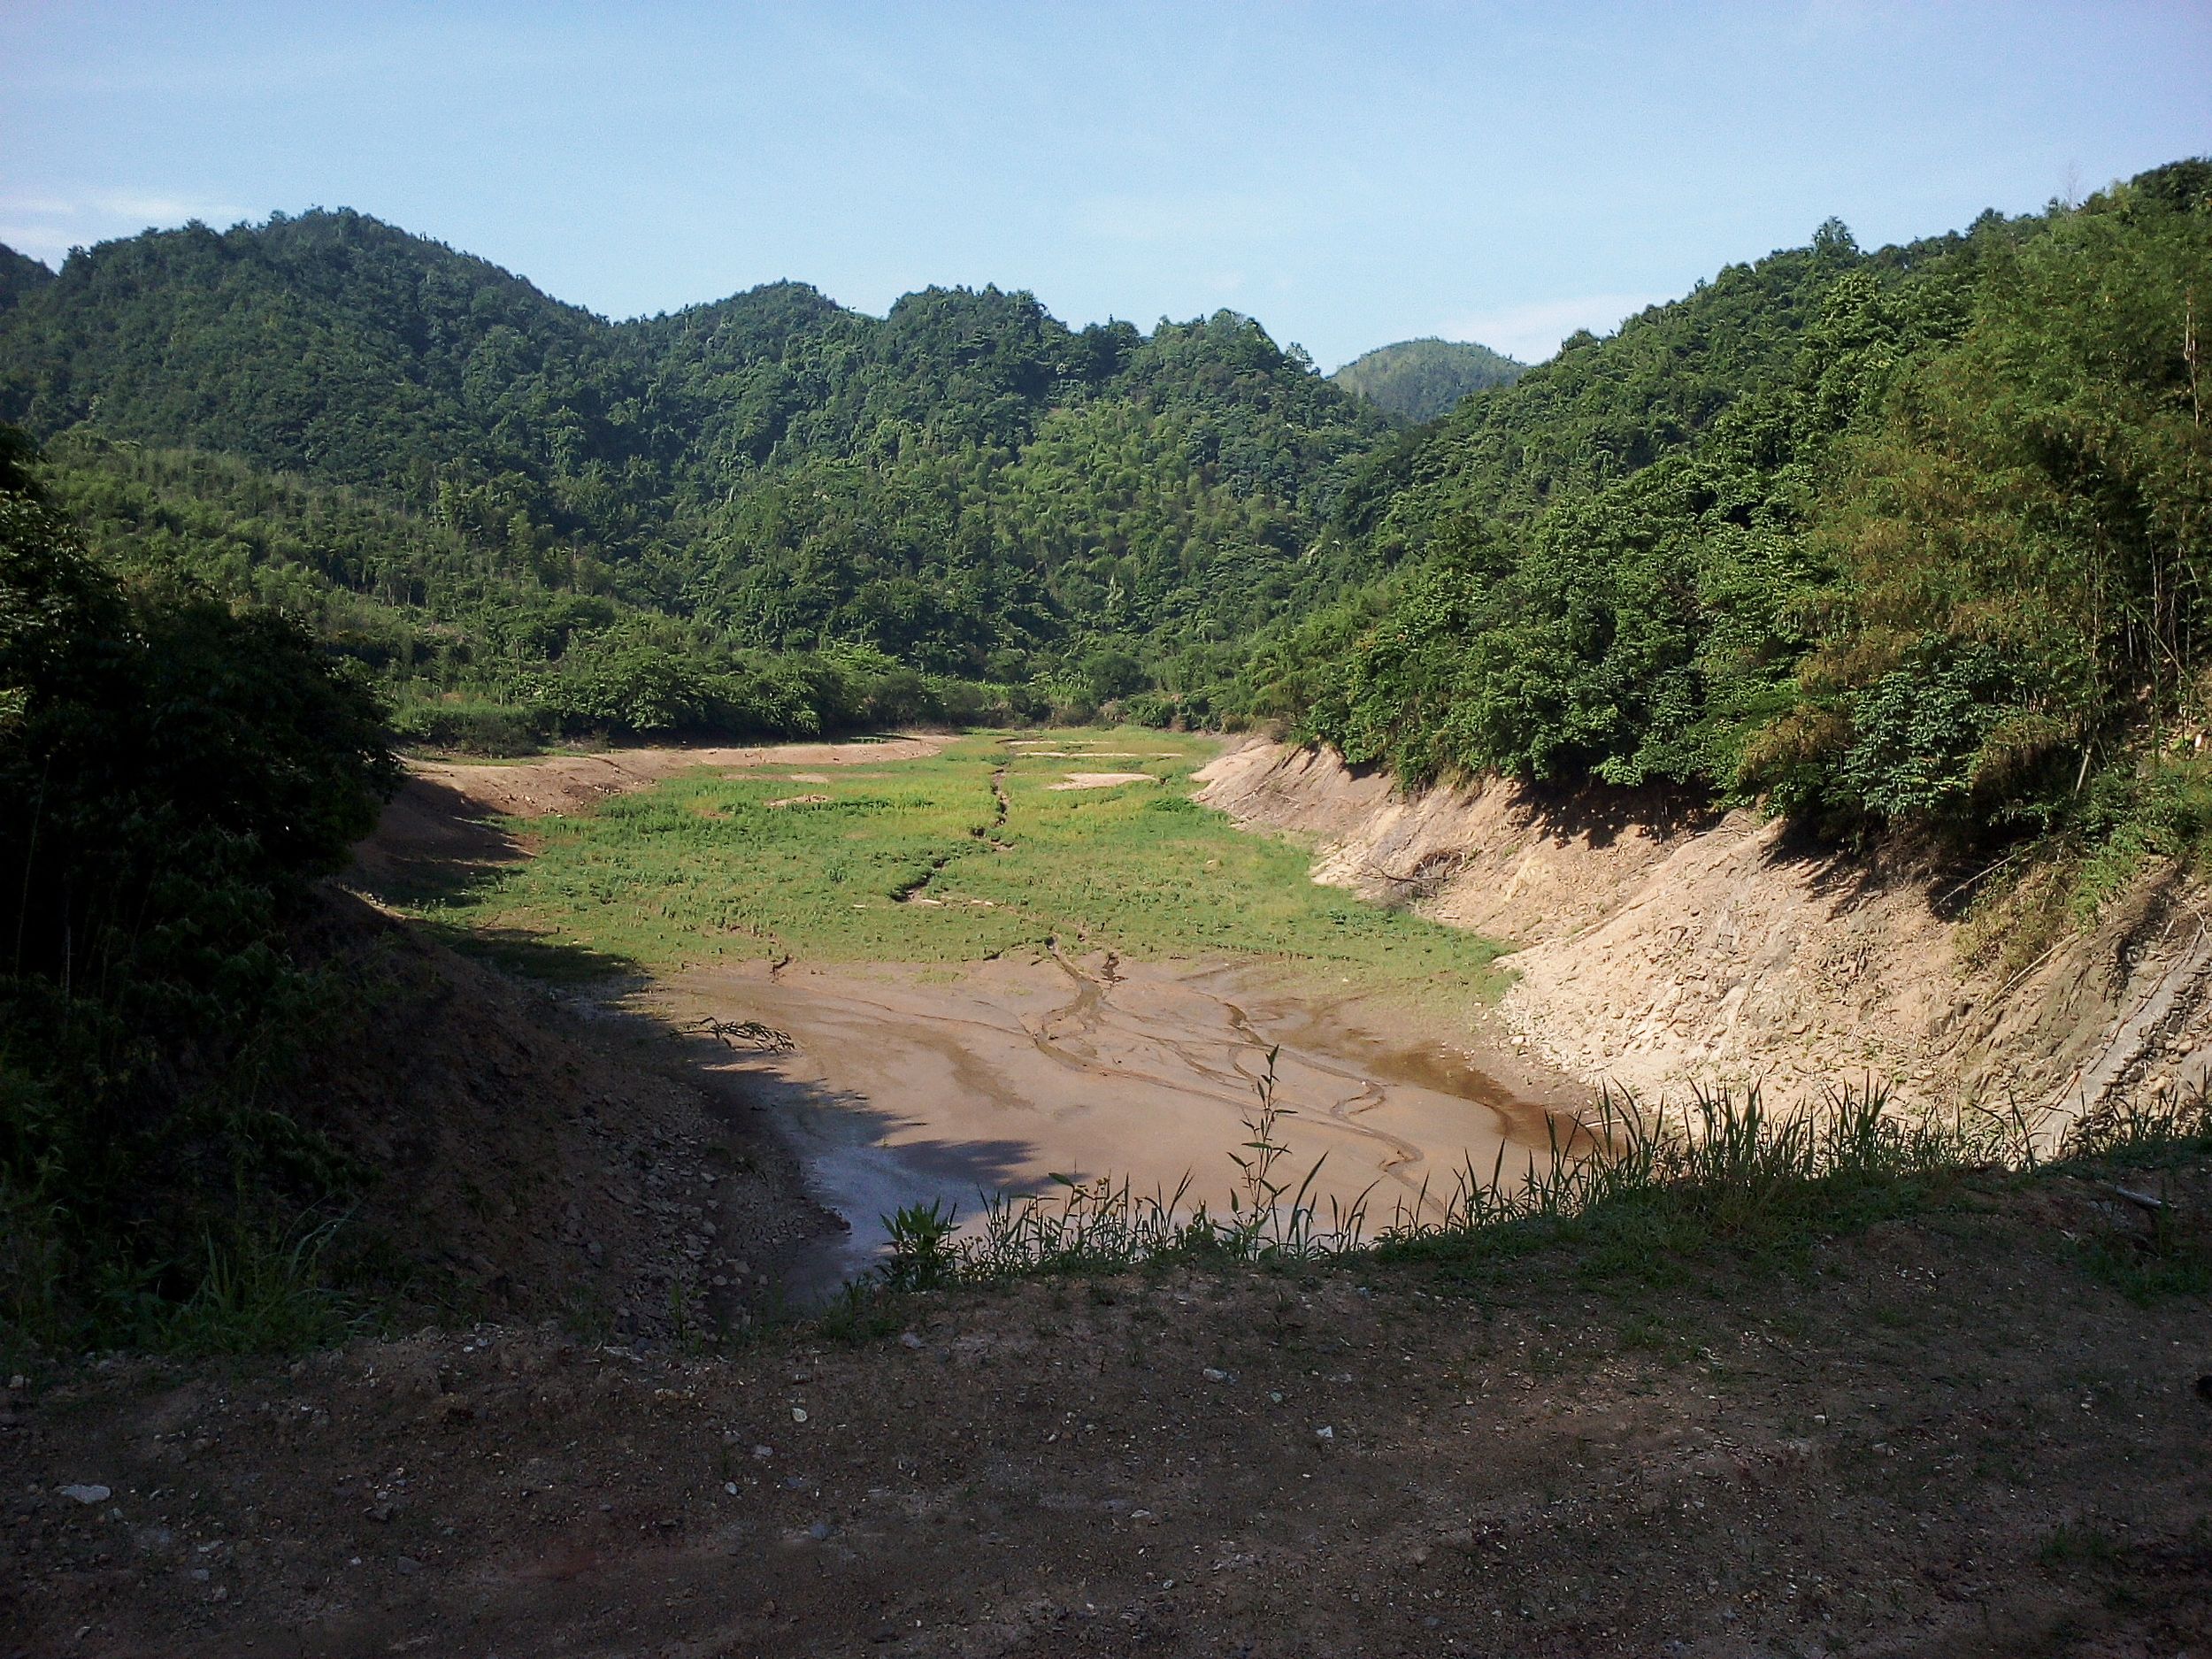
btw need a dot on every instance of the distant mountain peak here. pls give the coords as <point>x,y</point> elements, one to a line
<point>1419,380</point>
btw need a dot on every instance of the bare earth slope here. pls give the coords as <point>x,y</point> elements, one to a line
<point>1667,946</point>
<point>530,1163</point>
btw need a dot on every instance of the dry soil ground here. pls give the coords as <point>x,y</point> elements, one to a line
<point>1942,1437</point>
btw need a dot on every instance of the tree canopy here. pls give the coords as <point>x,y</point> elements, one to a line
<point>1419,380</point>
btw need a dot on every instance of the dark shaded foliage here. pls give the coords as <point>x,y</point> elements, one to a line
<point>172,776</point>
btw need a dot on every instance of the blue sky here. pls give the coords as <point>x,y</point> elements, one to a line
<point>1349,173</point>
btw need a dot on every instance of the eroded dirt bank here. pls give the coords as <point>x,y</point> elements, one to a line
<point>527,1163</point>
<point>1667,946</point>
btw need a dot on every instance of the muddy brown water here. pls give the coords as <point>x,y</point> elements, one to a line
<point>914,1085</point>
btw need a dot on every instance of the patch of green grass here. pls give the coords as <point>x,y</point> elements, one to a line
<point>2176,1260</point>
<point>258,1292</point>
<point>706,867</point>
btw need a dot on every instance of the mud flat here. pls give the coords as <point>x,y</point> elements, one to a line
<point>913,1084</point>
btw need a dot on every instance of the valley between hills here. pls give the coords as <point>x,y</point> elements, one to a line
<point>1944,1413</point>
<point>769,980</point>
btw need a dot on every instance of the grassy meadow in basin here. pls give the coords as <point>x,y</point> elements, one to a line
<point>970,855</point>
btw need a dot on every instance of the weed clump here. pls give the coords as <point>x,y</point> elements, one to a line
<point>1637,1191</point>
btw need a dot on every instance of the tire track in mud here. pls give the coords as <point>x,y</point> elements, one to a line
<point>1365,1098</point>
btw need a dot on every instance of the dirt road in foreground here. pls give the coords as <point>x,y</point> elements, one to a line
<point>1945,1440</point>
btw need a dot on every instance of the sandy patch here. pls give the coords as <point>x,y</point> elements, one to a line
<point>799,800</point>
<point>1103,780</point>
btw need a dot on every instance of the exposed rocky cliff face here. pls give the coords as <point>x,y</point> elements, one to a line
<point>1666,945</point>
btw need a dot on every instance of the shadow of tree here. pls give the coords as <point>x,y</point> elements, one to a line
<point>431,845</point>
<point>545,957</point>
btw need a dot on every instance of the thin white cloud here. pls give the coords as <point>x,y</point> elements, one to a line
<point>158,209</point>
<point>1532,332</point>
<point>48,227</point>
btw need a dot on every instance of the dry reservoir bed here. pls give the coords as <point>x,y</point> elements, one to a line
<point>999,964</point>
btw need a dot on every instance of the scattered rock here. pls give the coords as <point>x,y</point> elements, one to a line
<point>88,1495</point>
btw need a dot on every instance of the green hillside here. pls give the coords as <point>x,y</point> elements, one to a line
<point>1904,537</point>
<point>1023,515</point>
<point>1912,540</point>
<point>1419,380</point>
<point>19,277</point>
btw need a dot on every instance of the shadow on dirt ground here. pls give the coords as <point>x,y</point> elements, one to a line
<point>1950,1435</point>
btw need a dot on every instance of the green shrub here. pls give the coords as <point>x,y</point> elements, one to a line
<point>172,777</point>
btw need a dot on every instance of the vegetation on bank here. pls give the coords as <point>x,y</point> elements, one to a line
<point>1640,1194</point>
<point>174,775</point>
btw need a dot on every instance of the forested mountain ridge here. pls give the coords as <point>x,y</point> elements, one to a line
<point>965,486</point>
<point>1911,540</point>
<point>1711,551</point>
<point>1419,380</point>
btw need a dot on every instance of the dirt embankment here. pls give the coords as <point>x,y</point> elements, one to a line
<point>1944,1441</point>
<point>531,1163</point>
<point>1667,945</point>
